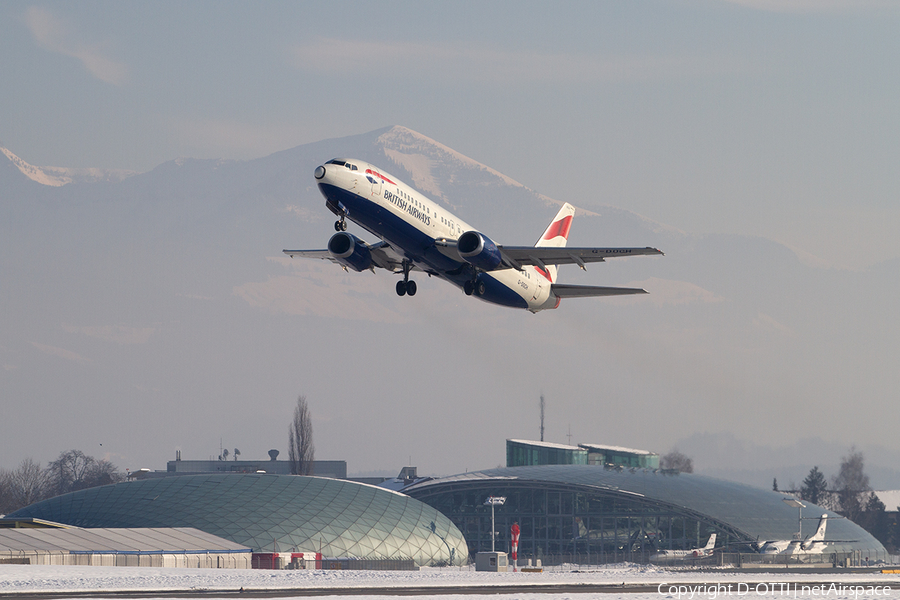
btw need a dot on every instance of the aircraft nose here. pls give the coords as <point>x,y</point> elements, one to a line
<point>320,172</point>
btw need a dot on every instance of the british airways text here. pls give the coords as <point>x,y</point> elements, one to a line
<point>408,207</point>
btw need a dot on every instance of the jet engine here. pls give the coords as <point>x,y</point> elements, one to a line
<point>350,251</point>
<point>479,250</point>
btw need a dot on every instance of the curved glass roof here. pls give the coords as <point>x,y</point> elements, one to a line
<point>753,513</point>
<point>270,513</point>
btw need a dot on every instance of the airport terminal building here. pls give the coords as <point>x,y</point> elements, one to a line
<point>580,513</point>
<point>591,514</point>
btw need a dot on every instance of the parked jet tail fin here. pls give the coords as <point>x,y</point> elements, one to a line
<point>819,535</point>
<point>711,543</point>
<point>557,235</point>
<point>564,290</point>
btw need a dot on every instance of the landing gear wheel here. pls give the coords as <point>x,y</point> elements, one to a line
<point>479,288</point>
<point>469,288</point>
<point>340,225</point>
<point>406,286</point>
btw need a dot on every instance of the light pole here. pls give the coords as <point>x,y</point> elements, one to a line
<point>794,503</point>
<point>494,501</point>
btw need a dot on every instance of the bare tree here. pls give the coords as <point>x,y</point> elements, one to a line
<point>74,470</point>
<point>103,472</point>
<point>851,484</point>
<point>677,461</point>
<point>67,473</point>
<point>25,485</point>
<point>6,503</point>
<point>301,451</point>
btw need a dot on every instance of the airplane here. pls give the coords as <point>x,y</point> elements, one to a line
<point>416,233</point>
<point>814,544</point>
<point>678,555</point>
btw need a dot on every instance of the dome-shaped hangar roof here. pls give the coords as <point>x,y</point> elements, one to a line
<point>312,514</point>
<point>746,512</point>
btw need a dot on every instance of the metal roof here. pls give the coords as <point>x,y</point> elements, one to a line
<point>179,540</point>
<point>270,513</point>
<point>615,449</point>
<point>754,513</point>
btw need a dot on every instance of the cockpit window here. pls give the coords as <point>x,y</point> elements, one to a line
<point>342,163</point>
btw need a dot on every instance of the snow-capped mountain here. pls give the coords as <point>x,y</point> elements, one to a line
<point>156,311</point>
<point>59,176</point>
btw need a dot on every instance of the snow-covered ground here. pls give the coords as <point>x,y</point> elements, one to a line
<point>674,584</point>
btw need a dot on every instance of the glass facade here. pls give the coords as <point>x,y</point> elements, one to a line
<point>610,515</point>
<point>520,453</point>
<point>279,513</point>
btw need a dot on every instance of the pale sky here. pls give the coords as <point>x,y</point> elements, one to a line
<point>746,117</point>
<point>770,118</point>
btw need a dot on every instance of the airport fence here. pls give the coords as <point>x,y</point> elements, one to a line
<point>735,559</point>
<point>363,564</point>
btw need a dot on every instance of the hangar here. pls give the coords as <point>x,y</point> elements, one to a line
<point>270,513</point>
<point>42,543</point>
<point>593,514</point>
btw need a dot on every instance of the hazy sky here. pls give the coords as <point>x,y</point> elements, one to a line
<point>778,118</point>
<point>768,117</point>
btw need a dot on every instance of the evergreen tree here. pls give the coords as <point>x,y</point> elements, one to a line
<point>814,487</point>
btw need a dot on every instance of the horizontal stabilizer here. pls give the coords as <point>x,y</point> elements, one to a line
<point>563,290</point>
<point>539,256</point>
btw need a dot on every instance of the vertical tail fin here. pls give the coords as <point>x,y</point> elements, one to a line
<point>556,235</point>
<point>711,543</point>
<point>819,535</point>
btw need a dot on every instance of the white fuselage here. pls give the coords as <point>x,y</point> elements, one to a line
<point>415,225</point>
<point>815,544</point>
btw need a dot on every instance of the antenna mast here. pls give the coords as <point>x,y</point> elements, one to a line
<point>542,417</point>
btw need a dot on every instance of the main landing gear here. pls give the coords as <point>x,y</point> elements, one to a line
<point>406,286</point>
<point>474,286</point>
<point>340,225</point>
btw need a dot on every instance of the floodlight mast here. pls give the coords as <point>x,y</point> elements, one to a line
<point>494,501</point>
<point>794,503</point>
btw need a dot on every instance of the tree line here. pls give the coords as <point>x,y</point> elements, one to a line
<point>73,470</point>
<point>851,496</point>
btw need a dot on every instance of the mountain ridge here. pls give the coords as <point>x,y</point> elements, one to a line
<point>60,176</point>
<point>227,331</point>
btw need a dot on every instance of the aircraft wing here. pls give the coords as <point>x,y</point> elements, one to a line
<point>540,256</point>
<point>383,255</point>
<point>324,254</point>
<point>564,290</point>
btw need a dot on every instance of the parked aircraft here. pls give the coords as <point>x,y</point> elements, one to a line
<point>678,555</point>
<point>416,234</point>
<point>814,544</point>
